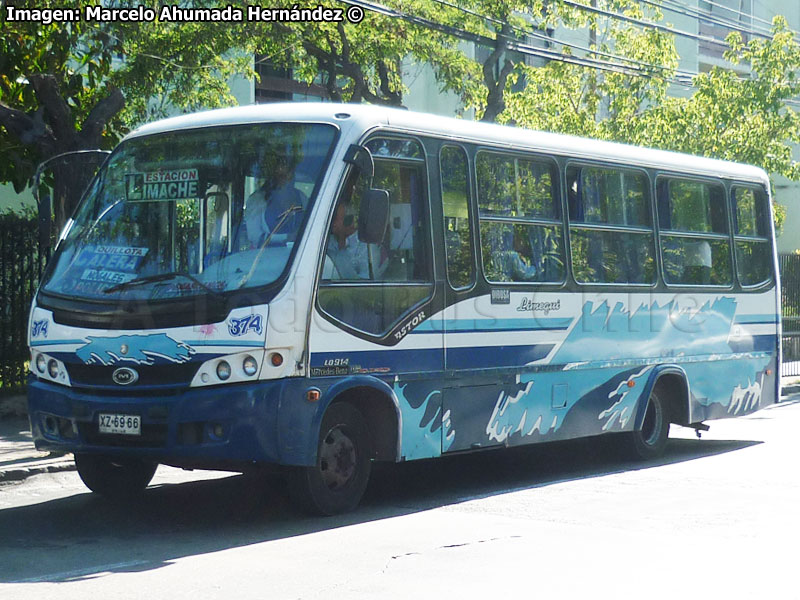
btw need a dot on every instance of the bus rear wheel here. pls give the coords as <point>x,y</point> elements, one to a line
<point>114,477</point>
<point>337,482</point>
<point>649,442</point>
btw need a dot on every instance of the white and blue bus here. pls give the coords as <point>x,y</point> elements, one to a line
<point>321,286</point>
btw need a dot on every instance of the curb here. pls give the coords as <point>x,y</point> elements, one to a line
<point>788,390</point>
<point>22,472</point>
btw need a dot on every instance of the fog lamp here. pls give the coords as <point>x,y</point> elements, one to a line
<point>249,366</point>
<point>223,370</point>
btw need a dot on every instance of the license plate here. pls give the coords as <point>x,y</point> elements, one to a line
<point>121,424</point>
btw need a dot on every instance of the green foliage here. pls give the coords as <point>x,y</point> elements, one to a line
<point>738,118</point>
<point>162,65</point>
<point>70,86</point>
<point>178,65</point>
<point>728,116</point>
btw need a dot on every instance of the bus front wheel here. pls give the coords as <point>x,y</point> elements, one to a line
<point>338,480</point>
<point>649,442</point>
<point>114,477</point>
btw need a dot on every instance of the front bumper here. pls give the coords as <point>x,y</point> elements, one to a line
<point>227,427</point>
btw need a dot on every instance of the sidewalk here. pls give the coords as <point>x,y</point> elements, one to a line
<point>19,459</point>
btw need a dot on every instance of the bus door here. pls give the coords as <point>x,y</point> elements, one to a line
<point>377,302</point>
<point>467,394</point>
<point>501,322</point>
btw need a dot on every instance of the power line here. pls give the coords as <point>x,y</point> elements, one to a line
<point>553,40</point>
<point>515,45</point>
<point>642,23</point>
<point>708,18</point>
<point>636,70</point>
<point>762,31</point>
<point>736,12</point>
<point>675,80</point>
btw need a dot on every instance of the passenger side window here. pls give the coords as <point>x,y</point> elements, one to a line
<point>520,219</point>
<point>370,286</point>
<point>751,235</point>
<point>695,245</point>
<point>458,242</point>
<point>610,225</point>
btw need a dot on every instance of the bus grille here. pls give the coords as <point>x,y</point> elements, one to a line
<point>99,376</point>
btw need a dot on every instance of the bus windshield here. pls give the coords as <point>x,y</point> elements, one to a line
<point>191,212</point>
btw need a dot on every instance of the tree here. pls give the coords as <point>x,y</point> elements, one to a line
<point>363,62</point>
<point>79,85</point>
<point>742,118</point>
<point>734,117</point>
<point>628,70</point>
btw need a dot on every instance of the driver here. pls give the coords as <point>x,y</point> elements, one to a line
<point>346,256</point>
<point>276,202</point>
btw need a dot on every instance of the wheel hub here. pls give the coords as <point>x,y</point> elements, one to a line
<point>337,459</point>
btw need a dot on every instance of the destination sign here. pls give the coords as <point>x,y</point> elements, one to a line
<point>120,258</point>
<point>179,184</point>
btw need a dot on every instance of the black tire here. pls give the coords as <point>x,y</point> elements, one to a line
<point>114,477</point>
<point>649,442</point>
<point>337,482</point>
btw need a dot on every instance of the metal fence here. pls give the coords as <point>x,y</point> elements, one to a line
<point>789,265</point>
<point>21,266</point>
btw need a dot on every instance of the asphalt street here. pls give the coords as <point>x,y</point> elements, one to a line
<point>716,517</point>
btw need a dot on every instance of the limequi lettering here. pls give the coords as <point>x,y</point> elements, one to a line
<point>528,305</point>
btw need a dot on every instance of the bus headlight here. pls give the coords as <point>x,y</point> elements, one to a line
<point>223,370</point>
<point>249,366</point>
<point>52,368</point>
<point>41,363</point>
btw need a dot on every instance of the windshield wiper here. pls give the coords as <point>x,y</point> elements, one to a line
<point>295,208</point>
<point>160,277</point>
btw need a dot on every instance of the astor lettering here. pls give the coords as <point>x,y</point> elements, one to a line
<point>405,329</point>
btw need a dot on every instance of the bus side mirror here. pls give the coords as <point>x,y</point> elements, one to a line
<point>45,219</point>
<point>373,216</point>
<point>361,158</point>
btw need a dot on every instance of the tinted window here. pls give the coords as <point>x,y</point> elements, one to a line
<point>750,212</point>
<point>611,196</point>
<point>370,286</point>
<point>455,206</point>
<point>685,205</point>
<point>696,261</point>
<point>610,226</point>
<point>695,247</point>
<point>521,231</point>
<point>751,229</point>
<point>515,187</point>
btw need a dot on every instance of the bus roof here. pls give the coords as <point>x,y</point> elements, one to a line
<point>364,117</point>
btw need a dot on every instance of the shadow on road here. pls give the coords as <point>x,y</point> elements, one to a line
<point>82,536</point>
